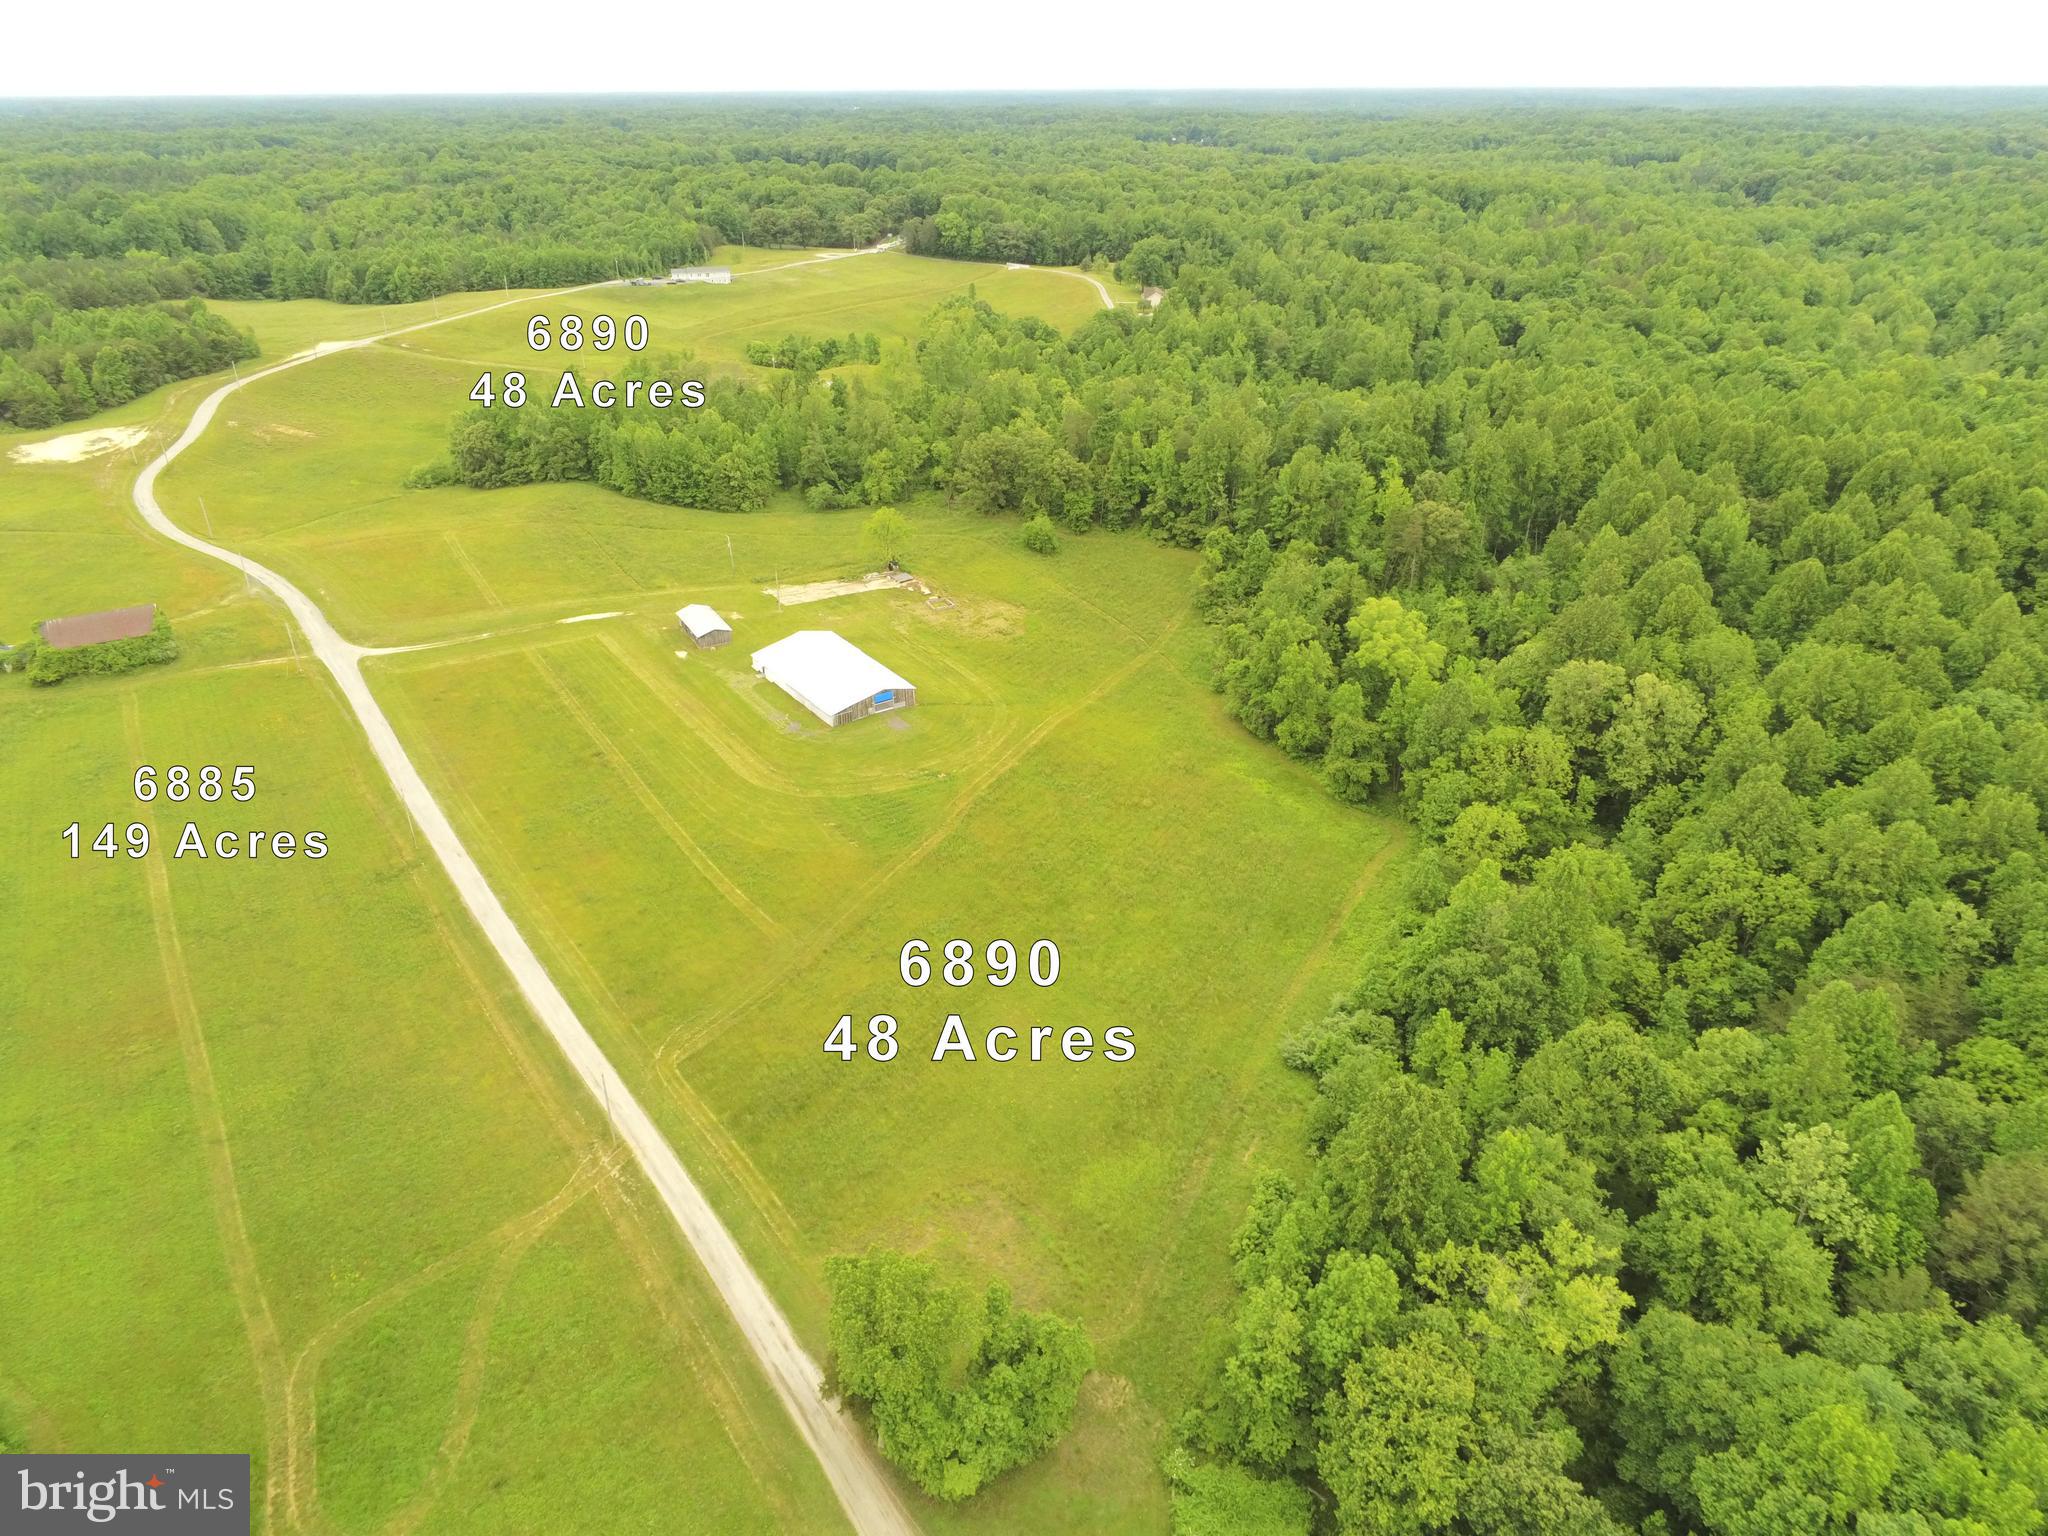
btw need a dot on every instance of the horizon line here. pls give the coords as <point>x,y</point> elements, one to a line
<point>918,93</point>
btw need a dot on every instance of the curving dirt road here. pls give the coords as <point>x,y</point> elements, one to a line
<point>812,261</point>
<point>856,1476</point>
<point>1094,282</point>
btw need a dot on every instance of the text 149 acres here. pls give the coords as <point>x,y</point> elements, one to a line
<point>209,783</point>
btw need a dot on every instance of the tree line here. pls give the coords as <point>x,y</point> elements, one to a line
<point>61,365</point>
<point>810,353</point>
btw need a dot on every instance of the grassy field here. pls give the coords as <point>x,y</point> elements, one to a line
<point>69,540</point>
<point>888,293</point>
<point>295,324</point>
<point>72,527</point>
<point>306,471</point>
<point>288,1171</point>
<point>714,879</point>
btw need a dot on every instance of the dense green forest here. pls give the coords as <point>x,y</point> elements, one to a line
<point>1649,503</point>
<point>59,364</point>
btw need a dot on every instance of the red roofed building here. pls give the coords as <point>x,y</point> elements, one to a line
<point>93,628</point>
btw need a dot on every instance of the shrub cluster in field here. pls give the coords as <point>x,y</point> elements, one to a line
<point>807,354</point>
<point>711,458</point>
<point>1039,535</point>
<point>898,1337</point>
<point>47,665</point>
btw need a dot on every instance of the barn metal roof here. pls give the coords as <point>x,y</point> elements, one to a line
<point>700,620</point>
<point>825,670</point>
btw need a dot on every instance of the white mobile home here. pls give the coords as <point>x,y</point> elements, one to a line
<point>700,274</point>
<point>831,677</point>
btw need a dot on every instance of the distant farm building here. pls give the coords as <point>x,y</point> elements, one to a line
<point>704,626</point>
<point>95,644</point>
<point>94,628</point>
<point>832,677</point>
<point>1151,297</point>
<point>700,274</point>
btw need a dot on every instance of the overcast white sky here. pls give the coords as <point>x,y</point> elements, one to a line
<point>320,47</point>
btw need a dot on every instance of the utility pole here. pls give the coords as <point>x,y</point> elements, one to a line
<point>207,515</point>
<point>729,560</point>
<point>606,1080</point>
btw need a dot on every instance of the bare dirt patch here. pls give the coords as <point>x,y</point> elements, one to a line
<point>74,446</point>
<point>818,591</point>
<point>979,616</point>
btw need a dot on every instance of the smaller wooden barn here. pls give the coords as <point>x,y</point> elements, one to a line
<point>703,625</point>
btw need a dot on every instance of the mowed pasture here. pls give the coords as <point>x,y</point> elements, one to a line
<point>69,537</point>
<point>306,470</point>
<point>288,1169</point>
<point>886,293</point>
<point>70,542</point>
<point>715,878</point>
<point>292,325</point>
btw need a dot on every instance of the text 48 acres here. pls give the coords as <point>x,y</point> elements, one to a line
<point>878,1041</point>
<point>958,963</point>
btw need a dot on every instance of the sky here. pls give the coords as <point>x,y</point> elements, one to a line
<point>348,47</point>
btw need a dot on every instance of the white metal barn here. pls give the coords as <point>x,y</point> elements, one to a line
<point>703,625</point>
<point>832,677</point>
